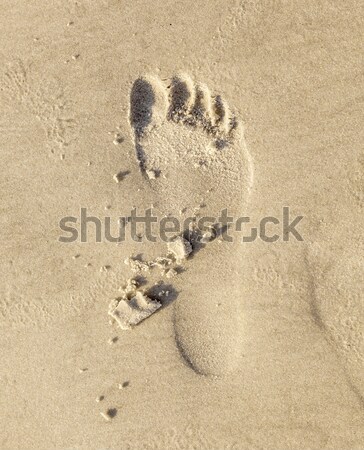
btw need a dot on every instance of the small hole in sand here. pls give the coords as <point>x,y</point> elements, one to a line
<point>111,412</point>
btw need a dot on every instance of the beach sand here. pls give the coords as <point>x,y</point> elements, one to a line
<point>186,108</point>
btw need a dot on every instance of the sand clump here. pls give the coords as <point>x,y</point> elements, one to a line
<point>180,247</point>
<point>132,308</point>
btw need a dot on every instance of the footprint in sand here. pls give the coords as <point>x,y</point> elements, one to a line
<point>191,149</point>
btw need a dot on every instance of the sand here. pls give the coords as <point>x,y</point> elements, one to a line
<point>183,109</point>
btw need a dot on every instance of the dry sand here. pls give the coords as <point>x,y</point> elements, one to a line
<point>190,107</point>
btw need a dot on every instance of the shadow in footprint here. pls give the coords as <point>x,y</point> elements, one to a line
<point>158,292</point>
<point>142,100</point>
<point>141,280</point>
<point>179,94</point>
